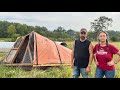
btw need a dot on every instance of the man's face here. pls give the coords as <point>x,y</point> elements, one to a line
<point>83,35</point>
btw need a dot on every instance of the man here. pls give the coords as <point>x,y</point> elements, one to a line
<point>82,55</point>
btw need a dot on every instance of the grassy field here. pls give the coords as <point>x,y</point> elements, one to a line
<point>54,72</point>
<point>5,39</point>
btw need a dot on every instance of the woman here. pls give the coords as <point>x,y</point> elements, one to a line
<point>103,55</point>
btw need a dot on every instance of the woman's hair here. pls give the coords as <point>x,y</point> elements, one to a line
<point>107,40</point>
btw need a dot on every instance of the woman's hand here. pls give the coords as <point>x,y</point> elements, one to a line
<point>96,62</point>
<point>110,63</point>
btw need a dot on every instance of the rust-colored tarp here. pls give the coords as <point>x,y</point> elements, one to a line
<point>49,52</point>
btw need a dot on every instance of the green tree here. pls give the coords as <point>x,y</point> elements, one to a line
<point>11,30</point>
<point>101,24</point>
<point>114,39</point>
<point>14,37</point>
<point>3,29</point>
<point>18,28</point>
<point>91,36</point>
<point>60,32</point>
<point>77,35</point>
<point>71,33</point>
<point>23,30</point>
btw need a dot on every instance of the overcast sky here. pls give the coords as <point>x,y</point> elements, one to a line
<point>68,20</point>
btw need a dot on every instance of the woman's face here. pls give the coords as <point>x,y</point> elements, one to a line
<point>102,37</point>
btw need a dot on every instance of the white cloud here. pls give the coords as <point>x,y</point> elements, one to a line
<point>68,20</point>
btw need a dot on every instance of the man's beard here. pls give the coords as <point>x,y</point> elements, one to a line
<point>82,37</point>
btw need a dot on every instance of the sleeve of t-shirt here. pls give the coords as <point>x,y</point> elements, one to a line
<point>94,49</point>
<point>114,49</point>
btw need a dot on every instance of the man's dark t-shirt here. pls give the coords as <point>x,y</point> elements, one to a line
<point>81,53</point>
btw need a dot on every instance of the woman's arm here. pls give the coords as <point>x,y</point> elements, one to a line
<point>118,59</point>
<point>95,60</point>
<point>115,61</point>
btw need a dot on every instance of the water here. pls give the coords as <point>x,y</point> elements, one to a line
<point>6,44</point>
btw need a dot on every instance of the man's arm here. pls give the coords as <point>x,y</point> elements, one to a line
<point>90,58</point>
<point>91,54</point>
<point>72,57</point>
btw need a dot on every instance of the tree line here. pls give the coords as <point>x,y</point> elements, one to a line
<point>14,30</point>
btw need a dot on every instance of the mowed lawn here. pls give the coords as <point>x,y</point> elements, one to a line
<point>52,72</point>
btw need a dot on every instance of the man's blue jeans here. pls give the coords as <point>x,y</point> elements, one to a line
<point>76,72</point>
<point>108,73</point>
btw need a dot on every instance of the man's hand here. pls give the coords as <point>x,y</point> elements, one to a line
<point>88,69</point>
<point>72,65</point>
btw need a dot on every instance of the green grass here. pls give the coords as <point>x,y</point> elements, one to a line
<point>5,39</point>
<point>2,56</point>
<point>54,72</point>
